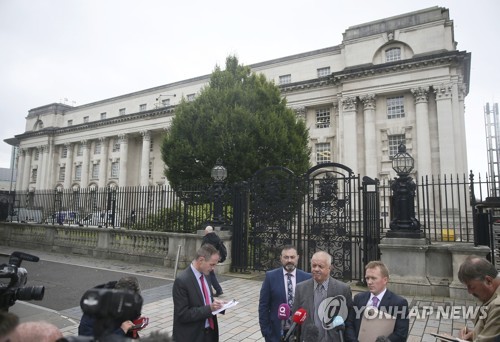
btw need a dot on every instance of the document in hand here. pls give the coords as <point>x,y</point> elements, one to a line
<point>228,305</point>
<point>375,323</point>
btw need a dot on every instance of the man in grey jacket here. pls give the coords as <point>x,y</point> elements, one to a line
<point>322,288</point>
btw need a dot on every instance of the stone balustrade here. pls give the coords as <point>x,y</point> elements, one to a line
<point>134,246</point>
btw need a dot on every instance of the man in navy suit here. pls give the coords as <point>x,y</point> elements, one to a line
<point>377,277</point>
<point>274,292</point>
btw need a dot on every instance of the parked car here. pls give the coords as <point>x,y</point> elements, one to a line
<point>101,219</point>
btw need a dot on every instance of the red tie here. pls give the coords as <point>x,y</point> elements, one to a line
<point>207,301</point>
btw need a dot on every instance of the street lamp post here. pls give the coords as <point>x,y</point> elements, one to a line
<point>219,175</point>
<point>404,223</point>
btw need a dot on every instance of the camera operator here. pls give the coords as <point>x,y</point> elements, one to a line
<point>89,324</point>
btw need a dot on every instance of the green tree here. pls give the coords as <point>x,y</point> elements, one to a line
<point>239,117</point>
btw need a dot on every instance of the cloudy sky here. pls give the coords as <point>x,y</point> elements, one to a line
<point>81,51</point>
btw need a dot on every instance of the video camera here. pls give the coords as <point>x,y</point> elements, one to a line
<point>17,276</point>
<point>119,305</point>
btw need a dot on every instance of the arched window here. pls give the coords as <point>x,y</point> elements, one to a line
<point>393,54</point>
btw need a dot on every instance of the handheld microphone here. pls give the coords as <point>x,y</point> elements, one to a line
<point>338,325</point>
<point>311,333</point>
<point>283,312</point>
<point>298,318</point>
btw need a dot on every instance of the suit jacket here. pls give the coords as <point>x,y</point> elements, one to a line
<point>304,298</point>
<point>190,311</point>
<point>272,294</point>
<point>392,304</point>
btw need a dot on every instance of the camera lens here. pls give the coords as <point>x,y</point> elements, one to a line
<point>30,293</point>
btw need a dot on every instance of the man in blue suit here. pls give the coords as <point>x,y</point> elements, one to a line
<point>377,277</point>
<point>275,291</point>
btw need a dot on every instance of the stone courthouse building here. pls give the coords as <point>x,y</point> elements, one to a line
<point>398,79</point>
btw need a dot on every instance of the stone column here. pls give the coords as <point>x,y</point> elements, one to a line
<point>447,158</point>
<point>20,168</point>
<point>146,144</point>
<point>84,182</point>
<point>462,152</point>
<point>41,167</point>
<point>69,166</point>
<point>122,181</point>
<point>371,145</point>
<point>424,165</point>
<point>349,133</point>
<point>27,169</point>
<point>103,167</point>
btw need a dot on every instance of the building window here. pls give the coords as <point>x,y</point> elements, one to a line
<point>62,173</point>
<point>122,111</point>
<point>115,169</point>
<point>151,144</point>
<point>97,147</point>
<point>85,119</point>
<point>78,172</point>
<point>190,97</point>
<point>70,122</point>
<point>95,171</point>
<point>322,72</point>
<point>103,116</point>
<point>323,153</point>
<point>150,170</point>
<point>394,142</point>
<point>64,153</point>
<point>142,107</point>
<point>37,154</point>
<point>395,107</point>
<point>116,145</point>
<point>322,118</point>
<point>79,150</point>
<point>165,102</point>
<point>34,173</point>
<point>392,54</point>
<point>285,79</point>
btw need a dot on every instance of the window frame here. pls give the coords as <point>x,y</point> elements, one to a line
<point>320,150</point>
<point>323,117</point>
<point>395,110</point>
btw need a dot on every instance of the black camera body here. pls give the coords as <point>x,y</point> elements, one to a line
<point>113,304</point>
<point>17,277</point>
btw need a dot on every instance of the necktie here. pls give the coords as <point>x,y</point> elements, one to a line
<point>289,289</point>
<point>375,302</point>
<point>207,301</point>
<point>319,295</point>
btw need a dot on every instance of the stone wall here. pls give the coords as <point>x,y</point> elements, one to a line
<point>133,246</point>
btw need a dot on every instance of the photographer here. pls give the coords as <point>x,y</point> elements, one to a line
<point>90,326</point>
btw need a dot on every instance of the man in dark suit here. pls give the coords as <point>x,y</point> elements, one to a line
<point>274,292</point>
<point>193,300</point>
<point>377,277</point>
<point>335,295</point>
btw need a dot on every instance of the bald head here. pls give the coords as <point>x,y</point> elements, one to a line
<point>38,332</point>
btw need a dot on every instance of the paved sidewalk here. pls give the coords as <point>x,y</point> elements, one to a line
<point>239,323</point>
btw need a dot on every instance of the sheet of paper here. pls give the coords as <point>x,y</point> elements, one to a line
<point>228,305</point>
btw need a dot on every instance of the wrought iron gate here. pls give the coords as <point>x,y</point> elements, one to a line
<point>320,210</point>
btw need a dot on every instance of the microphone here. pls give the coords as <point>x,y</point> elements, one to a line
<point>311,333</point>
<point>298,318</point>
<point>283,312</point>
<point>338,325</point>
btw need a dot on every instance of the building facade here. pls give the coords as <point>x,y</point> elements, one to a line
<point>399,79</point>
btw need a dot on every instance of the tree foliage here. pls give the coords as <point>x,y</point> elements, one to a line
<point>239,117</point>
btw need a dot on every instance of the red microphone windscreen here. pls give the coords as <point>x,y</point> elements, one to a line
<point>300,316</point>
